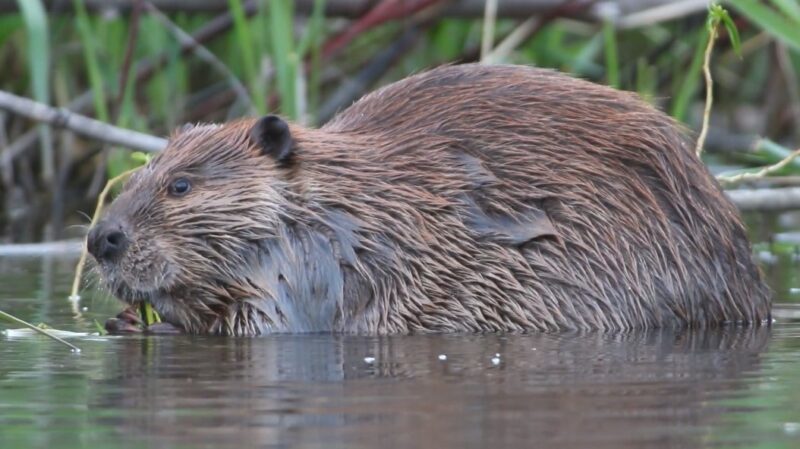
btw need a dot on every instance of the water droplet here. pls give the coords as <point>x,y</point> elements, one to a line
<point>442,357</point>
<point>495,361</point>
<point>369,360</point>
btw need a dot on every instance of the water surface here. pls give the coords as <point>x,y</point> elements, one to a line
<point>735,387</point>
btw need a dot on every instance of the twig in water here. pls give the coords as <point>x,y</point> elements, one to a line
<point>38,329</point>
<point>76,282</point>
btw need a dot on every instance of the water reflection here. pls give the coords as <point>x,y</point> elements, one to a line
<point>725,388</point>
<point>638,390</point>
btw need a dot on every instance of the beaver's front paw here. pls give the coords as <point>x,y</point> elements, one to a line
<point>127,322</point>
<point>162,329</point>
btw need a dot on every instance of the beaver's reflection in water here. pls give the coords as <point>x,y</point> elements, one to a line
<point>643,389</point>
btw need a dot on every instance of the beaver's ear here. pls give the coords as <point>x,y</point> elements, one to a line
<point>272,135</point>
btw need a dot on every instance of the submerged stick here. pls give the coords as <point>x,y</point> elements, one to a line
<point>76,282</point>
<point>38,329</point>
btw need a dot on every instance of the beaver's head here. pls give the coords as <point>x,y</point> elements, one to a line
<point>182,231</point>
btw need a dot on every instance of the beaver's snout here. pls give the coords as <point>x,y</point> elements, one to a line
<point>107,241</point>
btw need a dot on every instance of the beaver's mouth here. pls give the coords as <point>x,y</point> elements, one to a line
<point>133,281</point>
<point>117,285</point>
<point>125,293</point>
<point>161,301</point>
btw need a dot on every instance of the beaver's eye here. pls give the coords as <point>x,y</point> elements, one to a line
<point>180,187</point>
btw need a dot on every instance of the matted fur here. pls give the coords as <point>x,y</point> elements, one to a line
<point>466,198</point>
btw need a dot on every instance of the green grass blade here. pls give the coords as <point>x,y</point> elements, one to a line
<point>730,26</point>
<point>8,27</point>
<point>247,47</point>
<point>37,28</point>
<point>281,15</point>
<point>646,79</point>
<point>610,51</point>
<point>314,28</point>
<point>790,8</point>
<point>583,62</point>
<point>688,87</point>
<point>90,58</point>
<point>38,47</point>
<point>312,44</point>
<point>775,152</point>
<point>771,21</point>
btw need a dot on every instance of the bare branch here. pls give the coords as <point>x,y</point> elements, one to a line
<point>80,124</point>
<point>765,199</point>
<point>660,12</point>
<point>62,248</point>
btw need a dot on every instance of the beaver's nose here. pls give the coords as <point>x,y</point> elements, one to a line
<point>106,241</point>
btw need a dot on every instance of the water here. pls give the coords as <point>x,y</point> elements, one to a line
<point>663,389</point>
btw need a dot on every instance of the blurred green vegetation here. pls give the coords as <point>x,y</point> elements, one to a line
<point>136,73</point>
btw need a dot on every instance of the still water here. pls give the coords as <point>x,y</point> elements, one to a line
<point>667,389</point>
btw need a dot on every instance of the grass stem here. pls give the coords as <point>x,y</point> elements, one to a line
<point>76,282</point>
<point>13,319</point>
<point>701,140</point>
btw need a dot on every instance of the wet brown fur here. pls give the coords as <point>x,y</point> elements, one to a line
<point>466,198</point>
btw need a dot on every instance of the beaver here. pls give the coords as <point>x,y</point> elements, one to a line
<point>467,198</point>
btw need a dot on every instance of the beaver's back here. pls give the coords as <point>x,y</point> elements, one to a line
<point>541,201</point>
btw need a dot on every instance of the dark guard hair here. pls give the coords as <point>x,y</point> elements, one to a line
<point>467,198</point>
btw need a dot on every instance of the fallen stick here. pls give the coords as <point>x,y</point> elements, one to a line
<point>80,124</point>
<point>45,332</point>
<point>765,199</point>
<point>66,248</point>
